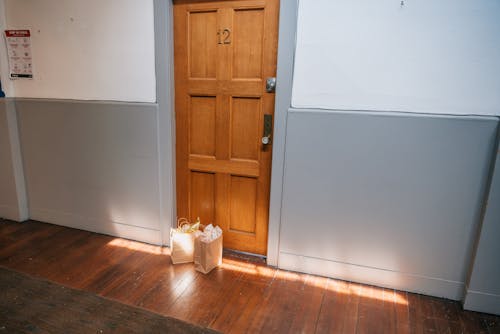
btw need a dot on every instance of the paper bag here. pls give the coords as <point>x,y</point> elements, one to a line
<point>181,246</point>
<point>207,255</point>
<point>182,242</point>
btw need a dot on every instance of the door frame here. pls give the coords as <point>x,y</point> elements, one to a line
<point>164,68</point>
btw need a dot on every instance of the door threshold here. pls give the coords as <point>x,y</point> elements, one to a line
<point>244,255</point>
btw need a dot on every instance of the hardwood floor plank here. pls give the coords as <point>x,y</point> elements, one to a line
<point>240,307</point>
<point>7,227</point>
<point>134,286</point>
<point>24,238</point>
<point>307,314</point>
<point>389,309</point>
<point>416,315</point>
<point>45,250</point>
<point>473,322</point>
<point>200,302</point>
<point>373,317</point>
<point>63,269</point>
<point>274,314</point>
<point>402,312</point>
<point>167,290</point>
<point>492,323</point>
<point>339,308</point>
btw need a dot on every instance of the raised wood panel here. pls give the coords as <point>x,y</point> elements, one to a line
<point>202,197</point>
<point>239,167</point>
<point>243,199</point>
<point>245,126</point>
<point>248,28</point>
<point>235,87</point>
<point>202,125</point>
<point>203,44</point>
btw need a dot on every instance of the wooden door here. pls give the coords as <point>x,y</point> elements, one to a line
<point>224,51</point>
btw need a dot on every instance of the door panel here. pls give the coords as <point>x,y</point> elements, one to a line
<point>248,34</point>
<point>245,126</point>
<point>243,204</point>
<point>202,125</point>
<point>203,44</point>
<point>224,51</point>
<point>202,196</point>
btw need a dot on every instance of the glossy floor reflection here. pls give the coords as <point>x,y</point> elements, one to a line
<point>243,295</point>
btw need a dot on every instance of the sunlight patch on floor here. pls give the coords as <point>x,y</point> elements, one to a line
<point>139,246</point>
<point>332,285</point>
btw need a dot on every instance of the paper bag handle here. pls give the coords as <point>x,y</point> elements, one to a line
<point>182,221</point>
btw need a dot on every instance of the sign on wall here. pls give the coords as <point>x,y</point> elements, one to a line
<point>19,53</point>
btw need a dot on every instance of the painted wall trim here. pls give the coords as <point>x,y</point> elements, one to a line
<point>482,302</point>
<point>482,283</point>
<point>373,276</point>
<point>96,102</point>
<point>391,113</point>
<point>92,224</point>
<point>286,52</point>
<point>17,162</point>
<point>164,63</point>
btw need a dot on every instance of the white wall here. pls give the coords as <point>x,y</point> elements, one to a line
<point>89,50</point>
<point>426,56</point>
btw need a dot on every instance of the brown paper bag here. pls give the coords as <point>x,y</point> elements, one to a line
<point>207,255</point>
<point>182,243</point>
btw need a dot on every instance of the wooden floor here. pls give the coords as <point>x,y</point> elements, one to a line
<point>241,296</point>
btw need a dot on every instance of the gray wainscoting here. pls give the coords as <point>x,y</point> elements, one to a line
<point>388,199</point>
<point>92,165</point>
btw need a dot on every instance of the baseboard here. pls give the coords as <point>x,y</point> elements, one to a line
<point>10,213</point>
<point>373,276</point>
<point>102,226</point>
<point>482,302</point>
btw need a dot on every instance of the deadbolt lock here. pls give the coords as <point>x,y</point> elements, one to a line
<point>268,129</point>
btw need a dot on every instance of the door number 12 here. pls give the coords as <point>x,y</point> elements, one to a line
<point>224,36</point>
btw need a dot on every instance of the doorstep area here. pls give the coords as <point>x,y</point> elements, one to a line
<point>242,295</point>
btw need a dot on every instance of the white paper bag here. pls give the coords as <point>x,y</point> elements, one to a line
<point>207,254</point>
